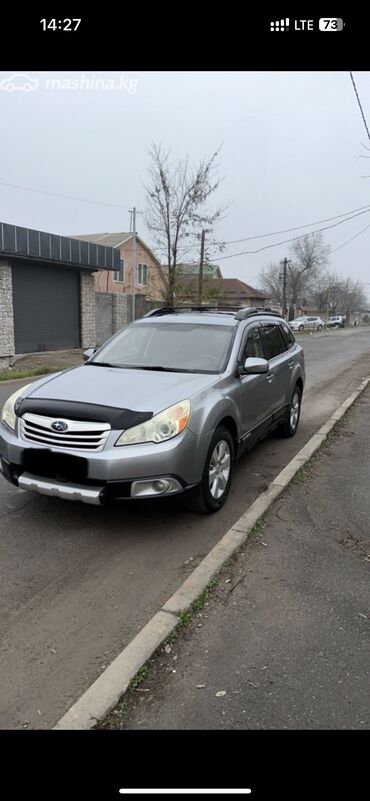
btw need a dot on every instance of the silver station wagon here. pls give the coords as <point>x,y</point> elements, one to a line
<point>163,408</point>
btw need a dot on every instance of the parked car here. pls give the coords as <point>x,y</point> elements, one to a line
<point>336,322</point>
<point>163,408</point>
<point>307,324</point>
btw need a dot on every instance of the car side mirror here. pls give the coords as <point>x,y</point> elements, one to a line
<point>254,366</point>
<point>88,353</point>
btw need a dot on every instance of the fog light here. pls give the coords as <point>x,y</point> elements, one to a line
<point>156,486</point>
<point>161,486</point>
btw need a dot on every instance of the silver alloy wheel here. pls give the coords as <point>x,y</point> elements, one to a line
<point>219,469</point>
<point>294,410</point>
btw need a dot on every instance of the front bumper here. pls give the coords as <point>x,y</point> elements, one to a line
<point>113,473</point>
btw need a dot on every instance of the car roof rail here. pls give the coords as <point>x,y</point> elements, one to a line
<point>176,309</point>
<point>250,311</point>
<point>240,312</point>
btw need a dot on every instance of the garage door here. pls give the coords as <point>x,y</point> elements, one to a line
<point>46,308</point>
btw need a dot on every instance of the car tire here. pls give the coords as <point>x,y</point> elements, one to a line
<point>337,325</point>
<point>319,327</point>
<point>289,428</point>
<point>205,498</point>
<point>301,328</point>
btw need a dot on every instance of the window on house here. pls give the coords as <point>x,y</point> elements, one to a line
<point>142,274</point>
<point>118,275</point>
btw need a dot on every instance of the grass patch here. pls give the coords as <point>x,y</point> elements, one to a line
<point>11,375</point>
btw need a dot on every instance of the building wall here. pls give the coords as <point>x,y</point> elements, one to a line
<point>104,280</point>
<point>7,349</point>
<point>87,306</point>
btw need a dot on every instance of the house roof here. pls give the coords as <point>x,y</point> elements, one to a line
<point>115,240</point>
<point>232,288</point>
<point>193,269</point>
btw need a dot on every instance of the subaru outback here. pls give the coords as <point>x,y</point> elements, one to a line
<point>164,408</point>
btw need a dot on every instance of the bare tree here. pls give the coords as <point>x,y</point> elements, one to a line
<point>309,256</point>
<point>270,281</point>
<point>177,195</point>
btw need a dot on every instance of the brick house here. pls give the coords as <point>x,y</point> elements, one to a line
<point>148,276</point>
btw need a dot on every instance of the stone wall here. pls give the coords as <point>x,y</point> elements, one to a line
<point>87,296</point>
<point>6,314</point>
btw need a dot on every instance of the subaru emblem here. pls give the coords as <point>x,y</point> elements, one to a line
<point>59,426</point>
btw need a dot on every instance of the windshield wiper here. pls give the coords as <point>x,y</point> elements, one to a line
<point>158,368</point>
<point>101,364</point>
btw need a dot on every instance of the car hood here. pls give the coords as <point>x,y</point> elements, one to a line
<point>139,390</point>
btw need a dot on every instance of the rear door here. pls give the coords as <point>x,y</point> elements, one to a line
<point>281,363</point>
<point>257,394</point>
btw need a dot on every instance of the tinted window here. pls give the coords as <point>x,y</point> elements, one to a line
<point>287,334</point>
<point>254,345</point>
<point>274,340</point>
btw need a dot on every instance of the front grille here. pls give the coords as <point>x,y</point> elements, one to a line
<point>80,435</point>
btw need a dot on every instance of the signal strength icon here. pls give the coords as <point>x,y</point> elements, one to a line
<point>280,25</point>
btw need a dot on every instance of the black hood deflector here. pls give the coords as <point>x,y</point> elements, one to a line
<point>74,410</point>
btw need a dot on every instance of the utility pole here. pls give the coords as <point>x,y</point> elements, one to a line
<point>133,282</point>
<point>285,263</point>
<point>200,289</point>
<point>327,305</point>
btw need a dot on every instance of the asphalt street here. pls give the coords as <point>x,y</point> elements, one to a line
<point>78,582</point>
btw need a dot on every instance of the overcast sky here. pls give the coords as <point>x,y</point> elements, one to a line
<point>290,154</point>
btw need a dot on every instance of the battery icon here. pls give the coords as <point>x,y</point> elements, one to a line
<point>331,24</point>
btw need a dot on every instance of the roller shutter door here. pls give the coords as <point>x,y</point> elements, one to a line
<point>46,308</point>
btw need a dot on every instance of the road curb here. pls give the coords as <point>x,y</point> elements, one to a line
<point>101,697</point>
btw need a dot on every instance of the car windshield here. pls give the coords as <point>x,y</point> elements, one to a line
<point>181,347</point>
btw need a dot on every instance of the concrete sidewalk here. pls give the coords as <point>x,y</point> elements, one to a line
<point>283,640</point>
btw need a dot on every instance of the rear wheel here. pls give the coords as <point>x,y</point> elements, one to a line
<point>214,488</point>
<point>289,428</point>
<point>319,327</point>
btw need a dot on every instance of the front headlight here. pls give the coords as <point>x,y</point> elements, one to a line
<point>8,410</point>
<point>162,426</point>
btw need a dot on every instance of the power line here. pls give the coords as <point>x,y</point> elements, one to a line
<point>69,197</point>
<point>359,103</point>
<point>293,239</point>
<point>287,230</point>
<point>350,240</point>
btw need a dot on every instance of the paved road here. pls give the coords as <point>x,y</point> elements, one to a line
<point>78,582</point>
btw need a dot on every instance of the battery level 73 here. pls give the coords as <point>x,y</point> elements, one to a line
<point>331,24</point>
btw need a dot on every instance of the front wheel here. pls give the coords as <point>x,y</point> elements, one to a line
<point>301,328</point>
<point>214,488</point>
<point>289,428</point>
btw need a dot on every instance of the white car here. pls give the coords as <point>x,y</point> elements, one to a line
<point>307,324</point>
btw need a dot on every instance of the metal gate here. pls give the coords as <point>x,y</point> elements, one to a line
<point>46,307</point>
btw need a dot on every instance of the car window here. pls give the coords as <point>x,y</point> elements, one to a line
<point>254,345</point>
<point>312,319</point>
<point>287,334</point>
<point>274,339</point>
